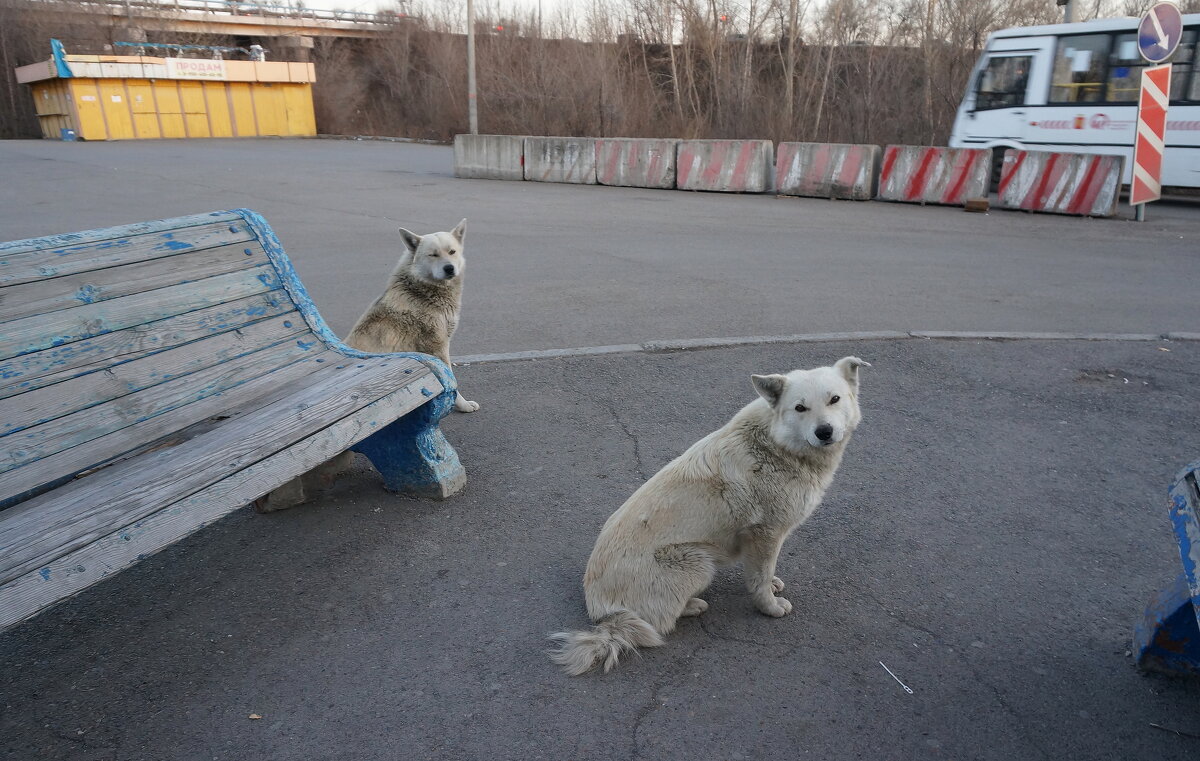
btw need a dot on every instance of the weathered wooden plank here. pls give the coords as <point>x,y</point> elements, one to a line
<point>31,371</point>
<point>46,404</point>
<point>53,294</point>
<point>25,482</point>
<point>43,258</point>
<point>30,334</point>
<point>26,448</point>
<point>106,233</point>
<point>117,549</point>
<point>36,532</point>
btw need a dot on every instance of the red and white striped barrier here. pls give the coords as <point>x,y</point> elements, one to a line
<point>1061,183</point>
<point>727,166</point>
<point>922,174</point>
<point>826,170</point>
<point>561,159</point>
<point>635,162</point>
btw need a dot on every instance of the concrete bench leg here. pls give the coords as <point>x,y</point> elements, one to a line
<point>1167,639</point>
<point>413,455</point>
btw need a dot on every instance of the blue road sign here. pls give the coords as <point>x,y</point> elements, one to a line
<point>1160,32</point>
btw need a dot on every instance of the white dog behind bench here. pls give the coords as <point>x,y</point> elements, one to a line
<point>735,494</point>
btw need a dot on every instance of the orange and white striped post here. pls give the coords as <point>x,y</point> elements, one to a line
<point>1150,142</point>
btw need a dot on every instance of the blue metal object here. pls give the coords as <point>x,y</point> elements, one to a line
<point>68,134</point>
<point>1159,33</point>
<point>60,60</point>
<point>1168,637</point>
<point>411,453</point>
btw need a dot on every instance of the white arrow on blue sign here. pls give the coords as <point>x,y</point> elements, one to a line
<point>1160,32</point>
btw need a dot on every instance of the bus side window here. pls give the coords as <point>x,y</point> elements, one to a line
<point>1079,66</point>
<point>1002,82</point>
<point>1125,70</point>
<point>1184,63</point>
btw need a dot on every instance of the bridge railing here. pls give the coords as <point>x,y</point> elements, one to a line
<point>230,8</point>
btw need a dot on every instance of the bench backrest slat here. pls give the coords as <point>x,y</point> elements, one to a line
<point>97,286</point>
<point>37,332</point>
<point>42,368</point>
<point>46,404</point>
<point>27,261</point>
<point>103,330</point>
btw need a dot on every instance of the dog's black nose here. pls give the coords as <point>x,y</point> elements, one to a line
<point>449,270</point>
<point>824,432</point>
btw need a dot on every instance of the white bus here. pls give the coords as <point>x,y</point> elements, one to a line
<point>1074,88</point>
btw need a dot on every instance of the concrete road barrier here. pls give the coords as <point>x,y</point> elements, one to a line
<point>924,174</point>
<point>728,166</point>
<point>636,162</point>
<point>561,159</point>
<point>827,170</point>
<point>489,157</point>
<point>1086,184</point>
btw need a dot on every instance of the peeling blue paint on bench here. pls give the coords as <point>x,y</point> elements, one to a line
<point>1167,638</point>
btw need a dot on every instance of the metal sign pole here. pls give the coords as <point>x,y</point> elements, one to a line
<point>472,107</point>
<point>1140,212</point>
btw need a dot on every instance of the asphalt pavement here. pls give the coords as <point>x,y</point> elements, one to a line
<point>997,526</point>
<point>555,266</point>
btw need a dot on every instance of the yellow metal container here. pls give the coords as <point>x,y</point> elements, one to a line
<point>126,97</point>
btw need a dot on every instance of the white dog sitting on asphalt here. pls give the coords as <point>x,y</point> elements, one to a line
<point>734,495</point>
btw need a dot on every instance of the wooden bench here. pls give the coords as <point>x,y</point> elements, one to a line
<point>156,376</point>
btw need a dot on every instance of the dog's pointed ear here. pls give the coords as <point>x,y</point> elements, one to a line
<point>848,367</point>
<point>769,387</point>
<point>460,230</point>
<point>411,239</point>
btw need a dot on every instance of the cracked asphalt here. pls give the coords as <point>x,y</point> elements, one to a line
<point>995,530</point>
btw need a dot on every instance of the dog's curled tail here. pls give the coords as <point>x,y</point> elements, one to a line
<point>616,633</point>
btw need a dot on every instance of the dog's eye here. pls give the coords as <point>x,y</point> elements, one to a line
<point>835,399</point>
<point>435,254</point>
<point>801,408</point>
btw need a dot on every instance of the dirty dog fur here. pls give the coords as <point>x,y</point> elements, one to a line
<point>419,310</point>
<point>734,495</point>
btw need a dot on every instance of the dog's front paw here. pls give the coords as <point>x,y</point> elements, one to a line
<point>463,405</point>
<point>776,584</point>
<point>775,607</point>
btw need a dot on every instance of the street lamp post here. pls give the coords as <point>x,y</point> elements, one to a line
<point>472,108</point>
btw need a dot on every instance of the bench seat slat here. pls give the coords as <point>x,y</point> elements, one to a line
<point>52,402</point>
<point>30,334</point>
<point>37,531</point>
<point>113,282</point>
<point>37,259</point>
<point>124,545</point>
<point>28,448</point>
<point>32,371</point>
<point>25,482</point>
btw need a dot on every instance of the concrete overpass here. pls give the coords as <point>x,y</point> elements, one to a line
<point>282,27</point>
